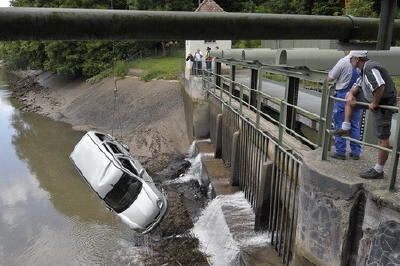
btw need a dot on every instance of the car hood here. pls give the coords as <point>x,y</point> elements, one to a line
<point>143,211</point>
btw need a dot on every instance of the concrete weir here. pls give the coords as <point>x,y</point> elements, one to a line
<point>336,217</point>
<point>343,219</point>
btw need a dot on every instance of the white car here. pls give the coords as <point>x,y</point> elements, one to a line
<point>119,180</point>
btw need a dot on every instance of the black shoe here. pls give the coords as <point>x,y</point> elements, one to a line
<point>354,157</point>
<point>371,174</point>
<point>338,156</point>
<point>340,132</point>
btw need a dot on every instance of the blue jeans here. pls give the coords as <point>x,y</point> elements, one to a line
<point>338,119</point>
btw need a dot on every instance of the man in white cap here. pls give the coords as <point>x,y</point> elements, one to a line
<point>376,87</point>
<point>345,76</point>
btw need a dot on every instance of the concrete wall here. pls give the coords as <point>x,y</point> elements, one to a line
<point>196,108</point>
<point>343,219</point>
<point>380,244</point>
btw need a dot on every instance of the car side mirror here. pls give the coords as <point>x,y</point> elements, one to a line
<point>141,172</point>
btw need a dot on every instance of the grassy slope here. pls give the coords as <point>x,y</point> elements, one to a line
<point>167,67</point>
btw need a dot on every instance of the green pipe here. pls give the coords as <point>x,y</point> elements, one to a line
<point>98,24</point>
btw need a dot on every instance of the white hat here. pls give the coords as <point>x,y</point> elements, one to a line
<point>359,54</point>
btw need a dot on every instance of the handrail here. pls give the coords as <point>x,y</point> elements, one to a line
<point>324,118</point>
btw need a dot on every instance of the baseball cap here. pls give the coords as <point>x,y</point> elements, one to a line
<point>359,54</point>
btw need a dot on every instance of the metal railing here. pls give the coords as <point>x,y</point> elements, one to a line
<point>272,193</point>
<point>288,109</point>
<point>394,151</point>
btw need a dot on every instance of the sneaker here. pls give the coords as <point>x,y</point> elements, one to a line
<point>338,156</point>
<point>340,132</point>
<point>371,174</point>
<point>354,157</point>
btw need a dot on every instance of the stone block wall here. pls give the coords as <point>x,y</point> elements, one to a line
<point>380,244</point>
<point>324,223</point>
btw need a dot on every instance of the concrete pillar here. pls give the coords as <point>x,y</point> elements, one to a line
<point>263,196</point>
<point>218,137</point>
<point>234,159</point>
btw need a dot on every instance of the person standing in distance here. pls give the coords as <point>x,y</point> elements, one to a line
<point>345,76</point>
<point>376,87</point>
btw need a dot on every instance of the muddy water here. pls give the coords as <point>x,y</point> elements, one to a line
<point>48,215</point>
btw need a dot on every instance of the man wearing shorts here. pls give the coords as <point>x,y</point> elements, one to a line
<point>376,87</point>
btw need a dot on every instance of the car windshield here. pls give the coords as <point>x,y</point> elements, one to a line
<point>124,193</point>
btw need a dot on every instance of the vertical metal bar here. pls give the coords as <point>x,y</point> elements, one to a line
<point>281,122</point>
<point>284,205</point>
<point>272,189</point>
<point>241,100</point>
<point>245,160</point>
<point>291,96</point>
<point>327,125</point>
<point>388,13</point>
<point>232,87</point>
<point>259,98</point>
<point>289,214</point>
<point>277,200</point>
<point>294,212</point>
<point>240,159</point>
<point>322,115</point>
<point>395,156</point>
<point>259,159</point>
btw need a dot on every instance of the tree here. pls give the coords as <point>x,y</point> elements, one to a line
<point>361,8</point>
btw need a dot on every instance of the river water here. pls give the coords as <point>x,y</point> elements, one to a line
<point>48,215</point>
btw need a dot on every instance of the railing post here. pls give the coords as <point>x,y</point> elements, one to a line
<point>327,125</point>
<point>241,100</point>
<point>218,77</point>
<point>325,91</point>
<point>259,98</point>
<point>291,96</point>
<point>253,87</point>
<point>232,86</point>
<point>282,117</point>
<point>395,156</point>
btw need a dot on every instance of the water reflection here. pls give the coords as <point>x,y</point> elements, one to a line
<point>48,214</point>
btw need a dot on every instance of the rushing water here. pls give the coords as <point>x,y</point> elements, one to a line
<point>48,215</point>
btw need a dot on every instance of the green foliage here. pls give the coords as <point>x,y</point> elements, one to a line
<point>247,44</point>
<point>328,7</point>
<point>361,8</point>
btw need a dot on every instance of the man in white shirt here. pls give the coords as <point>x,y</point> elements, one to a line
<point>198,57</point>
<point>345,76</point>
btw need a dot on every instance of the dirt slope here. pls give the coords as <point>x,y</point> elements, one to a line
<point>149,116</point>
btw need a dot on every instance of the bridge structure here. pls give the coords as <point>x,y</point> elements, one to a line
<point>317,212</point>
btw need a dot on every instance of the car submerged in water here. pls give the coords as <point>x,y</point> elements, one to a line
<point>119,180</point>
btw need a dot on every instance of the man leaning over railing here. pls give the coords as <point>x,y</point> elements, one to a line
<point>376,87</point>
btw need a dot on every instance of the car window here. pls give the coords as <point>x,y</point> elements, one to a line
<point>128,165</point>
<point>124,193</point>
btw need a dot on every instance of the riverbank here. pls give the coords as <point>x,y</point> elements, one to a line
<point>149,118</point>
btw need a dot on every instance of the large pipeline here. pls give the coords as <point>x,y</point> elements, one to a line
<point>313,58</point>
<point>91,24</point>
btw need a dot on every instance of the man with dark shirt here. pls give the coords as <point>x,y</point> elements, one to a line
<point>376,87</point>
